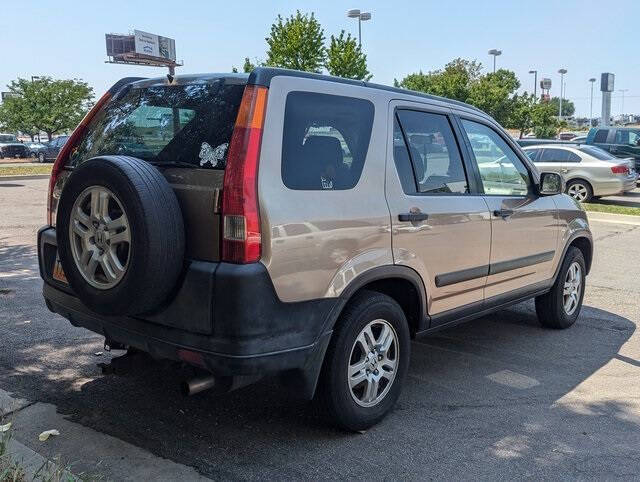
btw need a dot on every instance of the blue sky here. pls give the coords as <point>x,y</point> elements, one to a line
<point>65,39</point>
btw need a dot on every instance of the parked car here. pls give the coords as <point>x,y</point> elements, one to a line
<point>306,225</point>
<point>51,149</point>
<point>622,142</point>
<point>11,147</point>
<point>34,148</point>
<point>566,136</point>
<point>588,170</point>
<point>535,142</point>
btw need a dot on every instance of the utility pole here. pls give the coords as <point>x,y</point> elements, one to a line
<point>495,53</point>
<point>622,106</point>
<point>592,80</point>
<point>535,82</point>
<point>362,17</point>
<point>561,72</point>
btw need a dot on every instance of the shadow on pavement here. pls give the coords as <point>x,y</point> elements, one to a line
<point>480,399</point>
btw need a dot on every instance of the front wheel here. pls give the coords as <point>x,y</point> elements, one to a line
<point>561,306</point>
<point>366,362</point>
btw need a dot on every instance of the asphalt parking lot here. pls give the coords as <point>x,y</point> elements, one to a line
<point>499,397</point>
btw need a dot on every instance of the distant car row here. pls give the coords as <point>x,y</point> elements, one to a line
<point>44,151</point>
<point>605,162</point>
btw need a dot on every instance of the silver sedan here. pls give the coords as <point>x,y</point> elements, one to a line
<point>588,170</point>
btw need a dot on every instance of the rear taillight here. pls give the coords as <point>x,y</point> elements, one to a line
<point>241,240</point>
<point>620,169</point>
<point>63,155</point>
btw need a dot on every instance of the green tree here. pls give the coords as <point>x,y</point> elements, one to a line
<point>345,58</point>
<point>453,82</point>
<point>544,121</point>
<point>46,104</point>
<point>568,109</point>
<point>14,117</point>
<point>248,66</point>
<point>521,114</point>
<point>296,43</point>
<point>493,93</point>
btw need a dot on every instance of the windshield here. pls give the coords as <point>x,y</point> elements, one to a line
<point>7,138</point>
<point>598,153</point>
<point>180,124</point>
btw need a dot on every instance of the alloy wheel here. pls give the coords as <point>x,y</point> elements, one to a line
<point>578,191</point>
<point>572,288</point>
<point>100,237</point>
<point>373,363</point>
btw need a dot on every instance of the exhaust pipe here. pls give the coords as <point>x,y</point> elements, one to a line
<point>197,385</point>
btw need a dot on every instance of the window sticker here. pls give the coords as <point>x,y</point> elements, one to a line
<point>212,156</point>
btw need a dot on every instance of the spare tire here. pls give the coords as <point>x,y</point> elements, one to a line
<point>120,235</point>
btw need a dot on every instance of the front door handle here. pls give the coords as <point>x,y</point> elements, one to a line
<point>413,217</point>
<point>503,213</point>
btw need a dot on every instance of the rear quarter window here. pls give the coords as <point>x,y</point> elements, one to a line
<point>325,140</point>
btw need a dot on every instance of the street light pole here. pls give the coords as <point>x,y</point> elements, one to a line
<point>561,72</point>
<point>362,17</point>
<point>622,106</point>
<point>535,82</point>
<point>592,80</point>
<point>495,53</point>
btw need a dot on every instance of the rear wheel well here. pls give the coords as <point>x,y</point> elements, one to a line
<point>584,245</point>
<point>404,292</point>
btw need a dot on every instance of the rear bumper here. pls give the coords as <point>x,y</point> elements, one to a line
<point>225,318</point>
<point>613,187</point>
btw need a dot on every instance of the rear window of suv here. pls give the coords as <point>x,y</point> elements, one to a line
<point>174,125</point>
<point>325,140</point>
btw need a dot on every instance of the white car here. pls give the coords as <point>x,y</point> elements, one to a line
<point>588,170</point>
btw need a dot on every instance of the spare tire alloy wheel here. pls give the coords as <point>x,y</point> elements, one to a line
<point>100,237</point>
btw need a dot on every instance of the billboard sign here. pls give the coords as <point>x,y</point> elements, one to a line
<point>154,45</point>
<point>545,84</point>
<point>606,82</point>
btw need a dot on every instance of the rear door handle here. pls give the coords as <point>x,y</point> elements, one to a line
<point>503,213</point>
<point>413,217</point>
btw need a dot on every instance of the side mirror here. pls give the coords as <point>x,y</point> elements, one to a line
<point>551,183</point>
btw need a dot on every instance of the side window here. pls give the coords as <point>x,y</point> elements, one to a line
<point>622,137</point>
<point>532,154</point>
<point>325,140</point>
<point>433,151</point>
<point>402,159</point>
<point>501,171</point>
<point>554,155</point>
<point>601,136</point>
<point>573,157</point>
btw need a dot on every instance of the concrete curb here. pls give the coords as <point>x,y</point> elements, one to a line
<point>86,450</point>
<point>613,218</point>
<point>24,178</point>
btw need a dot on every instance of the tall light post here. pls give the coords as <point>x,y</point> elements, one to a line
<point>561,72</point>
<point>535,82</point>
<point>622,106</point>
<point>495,53</point>
<point>592,80</point>
<point>362,17</point>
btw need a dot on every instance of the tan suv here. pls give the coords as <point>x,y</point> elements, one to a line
<point>291,223</point>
